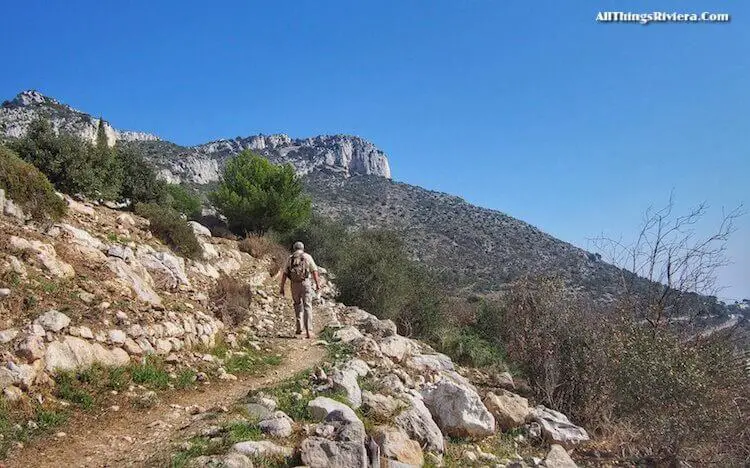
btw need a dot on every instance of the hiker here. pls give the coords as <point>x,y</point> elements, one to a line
<point>298,269</point>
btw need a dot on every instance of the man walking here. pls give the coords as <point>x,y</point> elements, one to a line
<point>298,269</point>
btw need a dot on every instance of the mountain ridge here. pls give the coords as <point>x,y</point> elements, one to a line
<point>349,179</point>
<point>200,164</point>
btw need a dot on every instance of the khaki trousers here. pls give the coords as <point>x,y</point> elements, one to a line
<point>302,297</point>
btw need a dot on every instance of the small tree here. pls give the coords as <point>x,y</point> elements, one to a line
<point>184,201</point>
<point>256,195</point>
<point>139,182</point>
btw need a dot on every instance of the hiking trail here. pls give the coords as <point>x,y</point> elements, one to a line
<point>133,437</point>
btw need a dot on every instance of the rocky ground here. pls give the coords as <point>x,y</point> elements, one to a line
<point>97,291</point>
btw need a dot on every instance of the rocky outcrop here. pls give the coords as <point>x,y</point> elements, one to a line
<point>345,155</point>
<point>17,114</point>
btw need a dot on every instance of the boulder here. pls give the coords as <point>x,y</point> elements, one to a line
<point>79,236</point>
<point>381,407</point>
<point>53,321</point>
<point>6,336</point>
<point>557,428</point>
<point>278,425</point>
<point>171,266</point>
<point>347,334</point>
<point>339,443</point>
<point>558,458</point>
<point>397,347</point>
<point>45,255</point>
<point>510,410</point>
<point>395,444</point>
<point>377,327</point>
<point>117,337</point>
<point>318,452</point>
<point>31,348</point>
<point>261,448</point>
<point>230,460</point>
<point>86,254</point>
<point>199,229</point>
<point>79,207</point>
<point>321,407</point>
<point>429,363</point>
<point>458,409</point>
<point>417,421</point>
<point>120,251</point>
<point>345,378</point>
<point>14,211</point>
<point>22,375</point>
<point>125,220</point>
<point>74,353</point>
<point>140,284</point>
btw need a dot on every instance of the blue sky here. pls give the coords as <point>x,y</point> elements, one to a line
<point>528,107</point>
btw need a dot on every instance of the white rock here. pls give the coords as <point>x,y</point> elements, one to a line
<point>458,409</point>
<point>4,292</point>
<point>279,425</point>
<point>82,237</point>
<point>31,348</point>
<point>14,211</point>
<point>321,407</point>
<point>509,409</point>
<point>199,229</point>
<point>261,448</point>
<point>558,458</point>
<point>117,337</point>
<point>395,445</point>
<point>419,424</point>
<point>125,220</point>
<point>347,334</point>
<point>6,336</point>
<point>120,251</point>
<point>557,428</point>
<point>397,347</point>
<point>53,321</point>
<point>131,347</point>
<point>139,282</point>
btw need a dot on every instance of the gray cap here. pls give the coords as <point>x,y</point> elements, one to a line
<point>299,246</point>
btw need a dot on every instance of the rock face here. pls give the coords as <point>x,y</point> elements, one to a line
<point>340,154</point>
<point>17,114</point>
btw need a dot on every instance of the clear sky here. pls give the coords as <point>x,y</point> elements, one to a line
<point>528,107</point>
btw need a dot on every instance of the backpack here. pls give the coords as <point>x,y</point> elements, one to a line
<point>297,270</point>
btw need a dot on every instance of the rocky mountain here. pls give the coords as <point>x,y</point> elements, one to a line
<point>349,178</point>
<point>17,114</point>
<point>202,164</point>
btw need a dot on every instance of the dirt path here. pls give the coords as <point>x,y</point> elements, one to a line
<point>132,437</point>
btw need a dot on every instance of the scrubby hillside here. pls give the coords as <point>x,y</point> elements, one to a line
<point>106,328</point>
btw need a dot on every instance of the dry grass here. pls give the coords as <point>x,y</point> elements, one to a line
<point>231,300</point>
<point>265,247</point>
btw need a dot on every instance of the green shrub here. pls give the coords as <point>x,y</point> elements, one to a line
<point>28,187</point>
<point>72,165</point>
<point>466,347</point>
<point>256,195</point>
<point>183,201</point>
<point>167,225</point>
<point>139,182</point>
